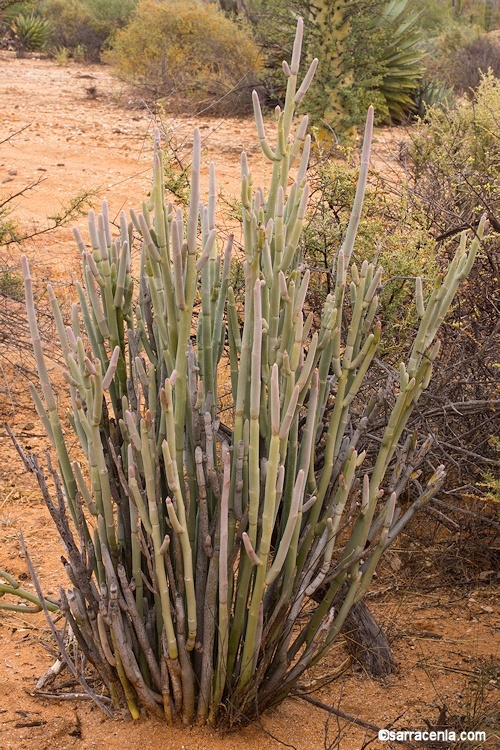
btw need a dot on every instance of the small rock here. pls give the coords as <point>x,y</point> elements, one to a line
<point>60,164</point>
<point>7,179</point>
<point>12,172</point>
<point>41,169</point>
<point>485,575</point>
<point>487,609</point>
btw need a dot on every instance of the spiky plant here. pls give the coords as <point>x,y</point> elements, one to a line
<point>401,57</point>
<point>369,52</point>
<point>31,31</point>
<point>211,564</point>
<point>433,93</point>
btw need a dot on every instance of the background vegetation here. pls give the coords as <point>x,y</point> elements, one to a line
<point>188,51</point>
<point>398,55</point>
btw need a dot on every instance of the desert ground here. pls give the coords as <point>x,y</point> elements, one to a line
<point>77,129</point>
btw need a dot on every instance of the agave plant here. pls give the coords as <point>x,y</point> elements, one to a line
<point>400,57</point>
<point>433,93</point>
<point>31,31</point>
<point>369,53</point>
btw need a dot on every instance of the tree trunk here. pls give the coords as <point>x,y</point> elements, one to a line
<point>331,21</point>
<point>367,643</point>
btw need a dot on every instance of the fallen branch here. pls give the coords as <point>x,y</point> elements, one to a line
<point>336,711</point>
<point>67,696</point>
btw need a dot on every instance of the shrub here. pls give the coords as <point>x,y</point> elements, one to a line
<point>453,172</point>
<point>472,61</point>
<point>11,8</point>
<point>460,56</point>
<point>211,564</point>
<point>189,51</point>
<point>450,171</point>
<point>85,26</point>
<point>390,228</point>
<point>273,28</point>
<point>453,161</point>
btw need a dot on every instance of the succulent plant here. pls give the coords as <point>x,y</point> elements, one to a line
<point>401,58</point>
<point>193,546</point>
<point>31,31</point>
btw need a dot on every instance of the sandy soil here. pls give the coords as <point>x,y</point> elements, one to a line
<point>85,131</point>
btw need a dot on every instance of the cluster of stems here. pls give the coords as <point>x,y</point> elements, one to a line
<point>195,547</point>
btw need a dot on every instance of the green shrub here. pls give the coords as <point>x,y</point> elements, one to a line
<point>116,12</point>
<point>9,9</point>
<point>85,26</point>
<point>189,51</point>
<point>454,160</point>
<point>389,228</point>
<point>434,15</point>
<point>448,176</point>
<point>491,481</point>
<point>453,173</point>
<point>442,50</point>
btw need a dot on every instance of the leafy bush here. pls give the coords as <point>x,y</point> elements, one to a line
<point>453,173</point>
<point>472,61</point>
<point>459,55</point>
<point>11,8</point>
<point>454,161</point>
<point>188,51</point>
<point>434,15</point>
<point>389,228</point>
<point>85,25</point>
<point>450,176</point>
<point>273,28</point>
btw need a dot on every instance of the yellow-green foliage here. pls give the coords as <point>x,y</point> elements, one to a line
<point>84,27</point>
<point>189,50</point>
<point>31,32</point>
<point>390,230</point>
<point>456,158</point>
